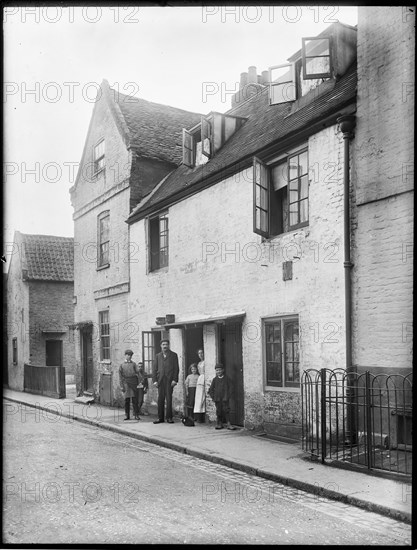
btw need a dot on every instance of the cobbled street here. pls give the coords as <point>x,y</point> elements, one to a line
<point>69,483</point>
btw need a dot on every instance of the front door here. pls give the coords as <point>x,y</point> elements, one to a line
<point>53,352</point>
<point>87,358</point>
<point>231,357</point>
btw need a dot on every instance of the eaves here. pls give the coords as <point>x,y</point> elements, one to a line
<point>266,153</point>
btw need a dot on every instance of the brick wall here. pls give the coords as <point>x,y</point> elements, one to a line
<point>218,265</point>
<point>51,308</point>
<point>382,174</point>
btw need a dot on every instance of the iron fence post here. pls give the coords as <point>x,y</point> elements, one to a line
<point>323,414</point>
<point>368,412</point>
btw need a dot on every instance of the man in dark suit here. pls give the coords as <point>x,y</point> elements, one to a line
<point>165,378</point>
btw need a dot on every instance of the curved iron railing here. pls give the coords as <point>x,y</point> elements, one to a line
<point>361,418</point>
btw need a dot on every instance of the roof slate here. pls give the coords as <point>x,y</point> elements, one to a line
<point>266,124</point>
<point>48,258</point>
<point>155,130</point>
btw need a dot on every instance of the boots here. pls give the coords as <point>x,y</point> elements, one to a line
<point>127,408</point>
<point>219,425</point>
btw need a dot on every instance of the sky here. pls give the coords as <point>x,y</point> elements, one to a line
<point>55,59</point>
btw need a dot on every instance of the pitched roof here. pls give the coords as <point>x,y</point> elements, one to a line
<point>266,125</point>
<point>47,257</point>
<point>154,130</point>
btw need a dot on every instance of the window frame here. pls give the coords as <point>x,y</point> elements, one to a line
<point>283,321</point>
<point>150,347</point>
<point>163,235</point>
<point>100,243</point>
<point>267,169</point>
<point>98,159</point>
<point>291,81</point>
<point>304,58</point>
<point>105,351</point>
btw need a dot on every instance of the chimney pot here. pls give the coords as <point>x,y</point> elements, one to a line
<point>243,80</point>
<point>265,77</point>
<point>252,75</point>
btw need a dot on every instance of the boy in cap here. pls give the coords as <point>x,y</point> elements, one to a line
<point>220,391</point>
<point>142,387</point>
<point>130,378</point>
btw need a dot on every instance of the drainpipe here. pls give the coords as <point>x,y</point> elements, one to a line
<point>346,126</point>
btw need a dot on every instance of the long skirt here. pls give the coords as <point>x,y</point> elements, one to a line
<point>190,398</point>
<point>200,396</point>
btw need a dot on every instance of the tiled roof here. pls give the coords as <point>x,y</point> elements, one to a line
<point>48,258</point>
<point>155,130</point>
<point>266,125</point>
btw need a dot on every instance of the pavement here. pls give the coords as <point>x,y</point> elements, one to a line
<point>244,450</point>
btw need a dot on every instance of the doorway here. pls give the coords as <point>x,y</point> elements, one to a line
<point>193,342</point>
<point>87,358</point>
<point>53,353</point>
<point>231,357</point>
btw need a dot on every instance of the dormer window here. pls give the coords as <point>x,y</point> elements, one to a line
<point>99,157</point>
<point>316,58</point>
<point>204,140</point>
<point>282,86</point>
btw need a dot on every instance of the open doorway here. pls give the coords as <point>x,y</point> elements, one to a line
<point>193,342</point>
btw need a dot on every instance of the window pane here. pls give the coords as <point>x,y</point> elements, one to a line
<point>273,374</point>
<point>318,65</point>
<point>264,199</point>
<point>294,199</point>
<point>304,211</point>
<point>318,46</point>
<point>293,218</point>
<point>279,174</point>
<point>302,162</point>
<point>304,187</point>
<point>293,163</point>
<point>281,93</point>
<point>264,221</point>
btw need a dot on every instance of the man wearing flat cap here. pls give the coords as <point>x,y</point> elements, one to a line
<point>165,378</point>
<point>130,378</point>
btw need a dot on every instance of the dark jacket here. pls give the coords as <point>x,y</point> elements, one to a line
<point>165,367</point>
<point>220,389</point>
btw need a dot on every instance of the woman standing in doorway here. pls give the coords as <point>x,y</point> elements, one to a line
<point>200,393</point>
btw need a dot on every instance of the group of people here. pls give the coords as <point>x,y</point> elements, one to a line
<point>165,372</point>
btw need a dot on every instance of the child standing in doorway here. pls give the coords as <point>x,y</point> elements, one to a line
<point>190,389</point>
<point>220,391</point>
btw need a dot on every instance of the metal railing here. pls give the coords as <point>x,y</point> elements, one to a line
<point>363,419</point>
<point>48,381</point>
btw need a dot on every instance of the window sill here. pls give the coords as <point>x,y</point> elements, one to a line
<point>105,361</point>
<point>159,270</point>
<point>105,266</point>
<point>281,389</point>
<point>299,228</point>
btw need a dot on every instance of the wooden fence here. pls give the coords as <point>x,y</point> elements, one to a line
<point>48,381</point>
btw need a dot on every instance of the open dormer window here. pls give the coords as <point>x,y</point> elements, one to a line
<point>282,86</point>
<point>316,58</point>
<point>204,140</point>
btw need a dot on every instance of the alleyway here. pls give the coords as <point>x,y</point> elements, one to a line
<point>71,483</point>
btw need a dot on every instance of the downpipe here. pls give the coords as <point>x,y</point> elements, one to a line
<point>346,126</point>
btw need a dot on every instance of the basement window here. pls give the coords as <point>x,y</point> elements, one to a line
<point>280,195</point>
<point>99,157</point>
<point>158,241</point>
<point>316,58</point>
